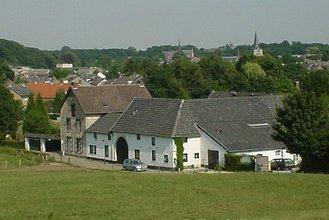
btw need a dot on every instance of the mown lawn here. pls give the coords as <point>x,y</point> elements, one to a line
<point>88,194</point>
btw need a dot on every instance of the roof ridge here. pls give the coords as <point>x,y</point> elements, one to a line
<point>177,117</point>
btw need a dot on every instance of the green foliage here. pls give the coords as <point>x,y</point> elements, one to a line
<point>6,73</point>
<point>13,53</point>
<point>12,144</point>
<point>62,73</point>
<point>179,153</point>
<point>234,162</point>
<point>302,124</point>
<point>217,167</point>
<point>36,118</point>
<point>317,82</point>
<point>10,113</point>
<point>253,70</point>
<point>295,71</point>
<point>58,101</point>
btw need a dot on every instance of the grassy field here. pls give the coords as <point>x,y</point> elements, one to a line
<point>12,158</point>
<point>87,194</point>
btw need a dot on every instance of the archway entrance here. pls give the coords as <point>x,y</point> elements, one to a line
<point>122,150</point>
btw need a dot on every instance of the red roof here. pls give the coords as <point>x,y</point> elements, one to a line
<point>47,90</point>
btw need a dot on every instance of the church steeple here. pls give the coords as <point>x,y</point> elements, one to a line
<point>256,41</point>
<point>257,51</point>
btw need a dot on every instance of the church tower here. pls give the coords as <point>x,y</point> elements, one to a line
<point>257,51</point>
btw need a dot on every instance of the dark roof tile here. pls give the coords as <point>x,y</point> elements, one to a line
<point>104,123</point>
<point>149,116</point>
<point>105,99</point>
<point>239,123</point>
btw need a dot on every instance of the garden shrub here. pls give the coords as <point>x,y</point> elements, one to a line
<point>234,162</point>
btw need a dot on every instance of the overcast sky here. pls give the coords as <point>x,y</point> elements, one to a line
<point>52,24</point>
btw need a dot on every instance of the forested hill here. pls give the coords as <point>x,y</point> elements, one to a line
<point>13,53</point>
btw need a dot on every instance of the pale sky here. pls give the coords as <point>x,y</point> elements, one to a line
<point>52,24</point>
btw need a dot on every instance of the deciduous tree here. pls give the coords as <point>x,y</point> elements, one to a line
<point>302,124</point>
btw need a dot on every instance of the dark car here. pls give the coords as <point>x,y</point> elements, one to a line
<point>134,164</point>
<point>283,164</point>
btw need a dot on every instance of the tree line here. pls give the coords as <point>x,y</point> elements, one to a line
<point>13,53</point>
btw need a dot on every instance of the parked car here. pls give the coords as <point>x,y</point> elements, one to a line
<point>134,164</point>
<point>283,164</point>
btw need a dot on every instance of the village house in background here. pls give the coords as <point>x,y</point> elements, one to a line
<point>47,91</point>
<point>30,75</point>
<point>169,55</point>
<point>20,92</point>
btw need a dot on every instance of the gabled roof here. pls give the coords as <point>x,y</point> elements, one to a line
<point>152,116</point>
<point>105,99</point>
<point>239,123</point>
<point>104,123</point>
<point>47,90</point>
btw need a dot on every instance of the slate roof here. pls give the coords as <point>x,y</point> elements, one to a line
<point>20,90</point>
<point>149,116</point>
<point>104,123</point>
<point>237,123</point>
<point>105,99</point>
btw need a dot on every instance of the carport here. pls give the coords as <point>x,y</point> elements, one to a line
<point>42,142</point>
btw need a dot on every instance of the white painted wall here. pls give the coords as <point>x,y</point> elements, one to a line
<point>163,146</point>
<point>208,143</point>
<point>278,153</point>
<point>191,147</point>
<point>100,142</point>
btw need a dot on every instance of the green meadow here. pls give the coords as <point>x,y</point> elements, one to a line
<point>78,193</point>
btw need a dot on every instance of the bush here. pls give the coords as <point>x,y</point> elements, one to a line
<point>13,144</point>
<point>234,162</point>
<point>217,167</point>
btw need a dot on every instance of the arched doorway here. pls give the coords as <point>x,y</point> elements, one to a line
<point>122,150</point>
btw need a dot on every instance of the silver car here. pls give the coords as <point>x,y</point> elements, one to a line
<point>134,164</point>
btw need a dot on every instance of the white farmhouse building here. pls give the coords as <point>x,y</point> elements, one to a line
<point>209,127</point>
